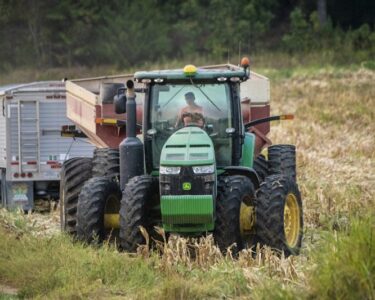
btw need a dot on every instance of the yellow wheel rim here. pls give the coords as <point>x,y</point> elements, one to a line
<point>246,218</point>
<point>111,213</point>
<point>111,221</point>
<point>292,224</point>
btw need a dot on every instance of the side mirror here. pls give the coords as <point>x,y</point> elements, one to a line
<point>209,128</point>
<point>151,133</point>
<point>119,101</point>
<point>230,131</point>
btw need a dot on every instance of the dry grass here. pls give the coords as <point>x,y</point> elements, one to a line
<point>202,253</point>
<point>334,134</point>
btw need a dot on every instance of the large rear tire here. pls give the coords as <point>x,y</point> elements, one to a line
<point>106,162</point>
<point>279,217</point>
<point>261,167</point>
<point>234,213</point>
<point>74,173</point>
<point>282,160</point>
<point>135,211</point>
<point>99,196</point>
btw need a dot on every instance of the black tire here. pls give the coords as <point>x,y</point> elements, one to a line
<point>232,191</point>
<point>74,173</point>
<point>106,162</point>
<point>135,211</point>
<point>261,167</point>
<point>282,160</point>
<point>99,195</point>
<point>270,218</point>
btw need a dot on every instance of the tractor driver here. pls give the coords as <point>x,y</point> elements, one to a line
<point>192,114</point>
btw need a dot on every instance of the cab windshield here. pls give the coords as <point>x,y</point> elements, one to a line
<point>207,106</point>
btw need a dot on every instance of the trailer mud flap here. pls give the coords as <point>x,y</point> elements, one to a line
<point>20,194</point>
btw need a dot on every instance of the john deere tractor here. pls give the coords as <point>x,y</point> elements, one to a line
<point>193,169</point>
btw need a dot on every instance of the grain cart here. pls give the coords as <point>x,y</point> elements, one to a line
<point>31,148</point>
<point>189,170</point>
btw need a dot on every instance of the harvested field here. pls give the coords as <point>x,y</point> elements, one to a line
<point>334,133</point>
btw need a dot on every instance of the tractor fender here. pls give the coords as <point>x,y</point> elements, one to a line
<point>244,171</point>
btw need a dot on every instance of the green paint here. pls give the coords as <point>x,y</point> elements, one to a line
<point>201,74</point>
<point>187,213</point>
<point>248,148</point>
<point>187,147</point>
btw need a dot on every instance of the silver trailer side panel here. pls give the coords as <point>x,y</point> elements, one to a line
<point>53,146</point>
<point>36,145</point>
<point>31,147</point>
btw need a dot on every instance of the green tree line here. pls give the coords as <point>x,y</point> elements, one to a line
<point>52,33</point>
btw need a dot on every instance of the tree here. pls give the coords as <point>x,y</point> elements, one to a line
<point>322,12</point>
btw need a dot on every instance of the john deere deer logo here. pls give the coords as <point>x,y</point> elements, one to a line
<point>186,186</point>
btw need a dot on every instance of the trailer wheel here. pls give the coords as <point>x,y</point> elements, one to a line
<point>282,160</point>
<point>234,213</point>
<point>279,218</point>
<point>135,211</point>
<point>106,162</point>
<point>98,204</point>
<point>261,167</point>
<point>74,173</point>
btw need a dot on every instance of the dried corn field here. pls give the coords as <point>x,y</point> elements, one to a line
<point>334,133</point>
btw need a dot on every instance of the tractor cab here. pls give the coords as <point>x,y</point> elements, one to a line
<point>206,99</point>
<point>211,110</point>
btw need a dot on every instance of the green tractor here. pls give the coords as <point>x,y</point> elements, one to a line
<point>193,169</point>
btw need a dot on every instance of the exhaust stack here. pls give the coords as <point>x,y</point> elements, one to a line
<point>131,148</point>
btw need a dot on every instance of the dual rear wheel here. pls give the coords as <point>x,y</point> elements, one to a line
<point>279,218</point>
<point>273,217</point>
<point>75,174</point>
<point>103,210</point>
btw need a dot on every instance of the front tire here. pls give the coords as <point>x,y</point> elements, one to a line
<point>279,217</point>
<point>135,211</point>
<point>99,196</point>
<point>234,213</point>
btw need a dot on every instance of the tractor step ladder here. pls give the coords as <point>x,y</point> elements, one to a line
<point>28,135</point>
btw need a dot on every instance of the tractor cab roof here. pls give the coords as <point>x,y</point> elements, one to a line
<point>220,73</point>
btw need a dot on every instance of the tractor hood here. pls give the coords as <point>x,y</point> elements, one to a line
<point>188,146</point>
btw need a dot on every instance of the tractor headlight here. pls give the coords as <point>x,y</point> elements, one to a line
<point>169,170</point>
<point>204,169</point>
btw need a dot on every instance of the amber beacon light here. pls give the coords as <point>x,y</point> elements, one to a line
<point>245,62</point>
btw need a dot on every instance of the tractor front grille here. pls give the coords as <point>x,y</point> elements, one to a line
<point>200,184</point>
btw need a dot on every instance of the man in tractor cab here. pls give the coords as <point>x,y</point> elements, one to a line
<point>192,114</point>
